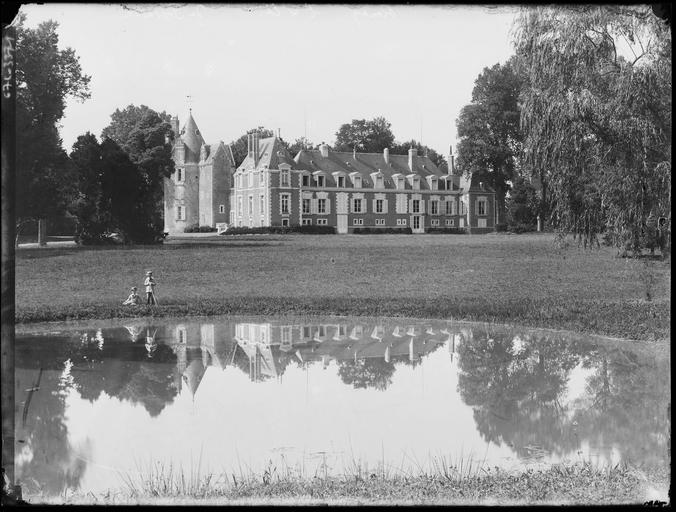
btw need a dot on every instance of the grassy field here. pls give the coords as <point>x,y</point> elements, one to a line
<point>520,279</point>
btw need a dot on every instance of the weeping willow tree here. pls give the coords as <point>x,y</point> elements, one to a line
<point>596,118</point>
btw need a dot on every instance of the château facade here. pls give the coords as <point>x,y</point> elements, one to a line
<point>346,190</point>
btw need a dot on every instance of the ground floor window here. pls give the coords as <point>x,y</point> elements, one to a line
<point>306,206</point>
<point>285,222</point>
<point>434,222</point>
<point>380,222</point>
<point>416,222</point>
<point>180,213</point>
<point>401,222</point>
<point>284,200</point>
<point>358,222</point>
<point>322,222</point>
<point>482,223</point>
<point>481,206</point>
<point>307,222</point>
<point>221,208</point>
<point>450,222</point>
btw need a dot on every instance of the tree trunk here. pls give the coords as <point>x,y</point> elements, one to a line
<point>42,232</point>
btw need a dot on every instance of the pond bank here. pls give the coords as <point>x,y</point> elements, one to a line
<point>570,484</point>
<point>638,320</point>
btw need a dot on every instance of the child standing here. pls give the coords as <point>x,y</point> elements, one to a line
<point>150,288</point>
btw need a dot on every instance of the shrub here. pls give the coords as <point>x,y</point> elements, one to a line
<point>192,228</point>
<point>501,227</point>
<point>281,230</point>
<point>446,231</point>
<point>522,228</point>
<point>206,229</point>
<point>383,231</point>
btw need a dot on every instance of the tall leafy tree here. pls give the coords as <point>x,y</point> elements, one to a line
<point>240,146</point>
<point>489,131</point>
<point>110,193</point>
<point>401,148</point>
<point>298,144</point>
<point>365,136</point>
<point>145,136</point>
<point>597,124</point>
<point>93,220</point>
<point>45,77</point>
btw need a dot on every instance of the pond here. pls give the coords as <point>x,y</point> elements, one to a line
<point>102,402</point>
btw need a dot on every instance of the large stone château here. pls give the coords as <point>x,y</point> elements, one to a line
<point>321,187</point>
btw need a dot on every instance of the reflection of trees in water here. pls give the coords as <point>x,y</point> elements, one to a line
<point>372,372</point>
<point>625,405</point>
<point>46,462</point>
<point>126,372</point>
<point>515,385</point>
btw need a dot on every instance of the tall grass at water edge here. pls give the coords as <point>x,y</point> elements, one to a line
<point>442,479</point>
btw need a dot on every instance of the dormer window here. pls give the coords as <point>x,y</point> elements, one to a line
<point>339,177</point>
<point>378,179</point>
<point>398,180</point>
<point>414,180</point>
<point>433,182</point>
<point>321,181</point>
<point>356,180</point>
<point>306,180</point>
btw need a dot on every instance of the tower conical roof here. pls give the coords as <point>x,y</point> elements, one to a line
<point>192,138</point>
<point>193,374</point>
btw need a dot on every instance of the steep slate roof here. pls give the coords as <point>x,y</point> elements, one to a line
<point>192,139</point>
<point>476,187</point>
<point>212,149</point>
<point>367,163</point>
<point>271,154</point>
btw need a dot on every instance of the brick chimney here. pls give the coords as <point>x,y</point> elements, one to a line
<point>324,150</point>
<point>451,158</point>
<point>256,136</point>
<point>411,153</point>
<point>386,155</point>
<point>249,143</point>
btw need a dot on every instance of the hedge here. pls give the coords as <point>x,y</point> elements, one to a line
<point>446,231</point>
<point>382,231</point>
<point>196,228</point>
<point>281,230</point>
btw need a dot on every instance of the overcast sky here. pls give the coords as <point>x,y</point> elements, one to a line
<point>300,69</point>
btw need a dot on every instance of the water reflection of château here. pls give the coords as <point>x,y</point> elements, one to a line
<point>264,350</point>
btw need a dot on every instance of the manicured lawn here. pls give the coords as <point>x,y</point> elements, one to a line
<point>523,279</point>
